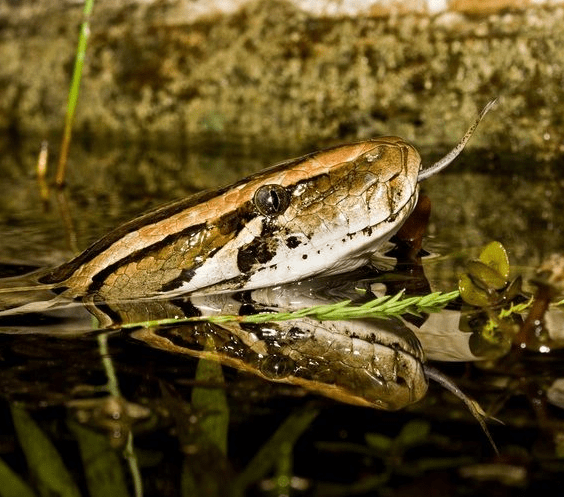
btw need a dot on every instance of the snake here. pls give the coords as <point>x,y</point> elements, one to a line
<point>320,214</point>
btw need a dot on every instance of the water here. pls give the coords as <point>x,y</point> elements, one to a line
<point>188,427</point>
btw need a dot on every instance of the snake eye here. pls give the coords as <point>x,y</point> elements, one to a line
<point>271,200</point>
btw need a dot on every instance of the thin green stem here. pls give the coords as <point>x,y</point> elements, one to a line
<point>131,457</point>
<point>73,92</point>
<point>113,388</point>
<point>381,307</point>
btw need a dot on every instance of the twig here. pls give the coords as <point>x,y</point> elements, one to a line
<point>42,172</point>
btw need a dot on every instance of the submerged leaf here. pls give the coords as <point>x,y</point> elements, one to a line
<point>43,460</point>
<point>12,484</point>
<point>379,441</point>
<point>288,432</point>
<point>205,467</point>
<point>414,433</point>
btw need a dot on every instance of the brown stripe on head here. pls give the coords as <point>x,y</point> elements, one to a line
<point>154,269</point>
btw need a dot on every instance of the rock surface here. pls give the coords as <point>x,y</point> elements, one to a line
<point>289,72</point>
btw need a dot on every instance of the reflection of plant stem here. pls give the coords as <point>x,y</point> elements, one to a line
<point>113,388</point>
<point>112,384</point>
<point>284,469</point>
<point>73,92</point>
<point>129,454</point>
<point>68,225</point>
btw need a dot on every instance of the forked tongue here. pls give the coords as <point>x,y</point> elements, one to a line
<point>472,405</point>
<point>453,154</point>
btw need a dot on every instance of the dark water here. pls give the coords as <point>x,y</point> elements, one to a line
<point>175,425</point>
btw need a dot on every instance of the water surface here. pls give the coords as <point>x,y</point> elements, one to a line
<point>190,428</point>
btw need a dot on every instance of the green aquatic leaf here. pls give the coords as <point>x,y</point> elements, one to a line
<point>470,293</point>
<point>102,465</point>
<point>265,459</point>
<point>367,485</point>
<point>379,441</point>
<point>514,288</point>
<point>485,276</point>
<point>414,433</point>
<point>483,282</point>
<point>284,469</point>
<point>495,256</point>
<point>43,460</point>
<point>205,468</point>
<point>13,484</point>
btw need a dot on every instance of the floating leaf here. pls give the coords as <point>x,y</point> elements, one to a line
<point>513,289</point>
<point>495,256</point>
<point>470,293</point>
<point>485,276</point>
<point>483,283</point>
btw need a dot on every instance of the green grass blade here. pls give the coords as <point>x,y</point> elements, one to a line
<point>12,484</point>
<point>381,307</point>
<point>205,469</point>
<point>266,457</point>
<point>43,460</point>
<point>73,92</point>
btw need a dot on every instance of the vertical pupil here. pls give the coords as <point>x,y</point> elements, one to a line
<point>271,200</point>
<point>274,200</point>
